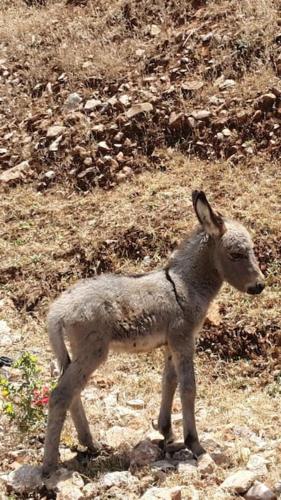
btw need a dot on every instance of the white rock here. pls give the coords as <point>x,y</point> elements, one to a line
<point>277,487</point>
<point>103,146</point>
<point>15,173</point>
<point>7,337</point>
<point>201,114</point>
<point>155,30</point>
<point>144,107</point>
<point>73,101</point>
<point>122,478</point>
<point>54,146</point>
<point>90,491</point>
<point>136,403</point>
<point>24,479</point>
<point>206,464</point>
<point>239,482</point>
<point>188,468</point>
<point>125,99</point>
<point>64,480</point>
<point>260,491</point>
<point>227,84</point>
<point>55,131</point>
<point>51,174</point>
<point>257,464</point>
<point>4,328</point>
<point>92,104</point>
<point>162,493</point>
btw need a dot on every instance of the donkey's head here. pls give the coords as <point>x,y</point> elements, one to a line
<point>234,256</point>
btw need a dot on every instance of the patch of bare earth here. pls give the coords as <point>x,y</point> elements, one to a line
<point>110,190</point>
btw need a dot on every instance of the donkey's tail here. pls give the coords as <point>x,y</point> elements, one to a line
<point>55,331</point>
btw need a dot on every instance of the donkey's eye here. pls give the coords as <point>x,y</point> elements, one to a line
<point>237,256</point>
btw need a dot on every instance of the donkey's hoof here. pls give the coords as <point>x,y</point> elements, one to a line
<point>194,446</point>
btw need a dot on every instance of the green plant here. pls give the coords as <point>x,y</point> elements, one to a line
<point>25,400</point>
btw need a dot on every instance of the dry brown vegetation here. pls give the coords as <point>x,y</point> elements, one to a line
<point>76,225</point>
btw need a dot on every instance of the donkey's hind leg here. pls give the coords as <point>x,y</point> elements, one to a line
<point>78,413</point>
<point>69,387</point>
<point>81,425</point>
<point>169,385</point>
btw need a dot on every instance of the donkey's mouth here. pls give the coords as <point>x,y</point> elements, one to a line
<point>257,289</point>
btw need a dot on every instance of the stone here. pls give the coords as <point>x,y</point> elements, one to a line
<point>206,464</point>
<point>15,173</point>
<point>260,491</point>
<point>116,435</point>
<point>192,85</point>
<point>50,175</point>
<point>55,131</point>
<point>227,84</point>
<point>163,493</point>
<point>137,404</point>
<point>125,100</point>
<point>118,478</point>
<point>176,120</point>
<point>155,30</point>
<point>103,146</point>
<point>63,480</point>
<point>72,102</point>
<point>257,464</point>
<point>144,453</point>
<point>277,487</point>
<point>219,457</point>
<point>24,479</point>
<point>90,491</point>
<point>188,468</point>
<point>163,465</point>
<point>92,104</point>
<point>226,132</point>
<point>144,107</point>
<point>201,114</point>
<point>239,482</point>
<point>54,146</point>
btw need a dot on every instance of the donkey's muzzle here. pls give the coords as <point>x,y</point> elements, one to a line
<point>255,290</point>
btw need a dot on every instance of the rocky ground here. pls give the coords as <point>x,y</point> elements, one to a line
<point>111,113</point>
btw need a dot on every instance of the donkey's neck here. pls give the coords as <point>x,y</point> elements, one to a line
<point>194,263</point>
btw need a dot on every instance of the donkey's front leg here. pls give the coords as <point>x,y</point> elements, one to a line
<point>186,379</point>
<point>169,385</point>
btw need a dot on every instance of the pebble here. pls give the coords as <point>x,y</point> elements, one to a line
<point>137,404</point>
<point>92,104</point>
<point>144,453</point>
<point>118,478</point>
<point>162,493</point>
<point>257,464</point>
<point>73,101</point>
<point>206,464</point>
<point>260,491</point>
<point>55,131</point>
<point>239,482</point>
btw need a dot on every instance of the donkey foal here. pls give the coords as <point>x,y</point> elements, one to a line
<point>137,314</point>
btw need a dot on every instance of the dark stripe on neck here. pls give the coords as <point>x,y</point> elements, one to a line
<point>174,287</point>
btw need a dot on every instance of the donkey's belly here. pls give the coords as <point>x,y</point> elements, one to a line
<point>141,343</point>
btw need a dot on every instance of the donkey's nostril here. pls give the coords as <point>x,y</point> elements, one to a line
<point>258,288</point>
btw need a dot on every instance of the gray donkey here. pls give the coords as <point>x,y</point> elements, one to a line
<point>139,313</point>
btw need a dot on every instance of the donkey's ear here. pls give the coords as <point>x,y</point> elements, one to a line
<point>212,223</point>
